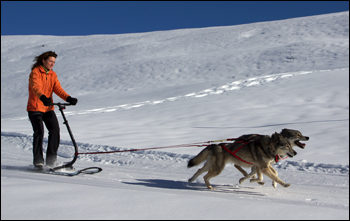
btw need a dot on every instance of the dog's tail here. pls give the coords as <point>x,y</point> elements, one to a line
<point>202,156</point>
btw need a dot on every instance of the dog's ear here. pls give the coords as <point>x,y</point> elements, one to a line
<point>275,136</point>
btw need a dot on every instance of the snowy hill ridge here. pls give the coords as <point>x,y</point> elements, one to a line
<point>121,64</point>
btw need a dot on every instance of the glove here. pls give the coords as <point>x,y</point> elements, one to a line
<point>72,100</point>
<point>45,100</point>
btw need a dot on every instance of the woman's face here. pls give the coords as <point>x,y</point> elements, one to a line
<point>49,63</point>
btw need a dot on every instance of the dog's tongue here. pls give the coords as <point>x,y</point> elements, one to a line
<point>302,145</point>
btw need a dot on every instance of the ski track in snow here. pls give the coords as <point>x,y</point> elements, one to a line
<point>236,85</point>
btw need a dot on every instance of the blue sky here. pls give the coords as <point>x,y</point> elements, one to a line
<point>117,17</point>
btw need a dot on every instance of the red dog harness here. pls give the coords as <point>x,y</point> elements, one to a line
<point>277,157</point>
<point>234,152</point>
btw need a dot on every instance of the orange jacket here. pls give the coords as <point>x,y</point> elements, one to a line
<point>41,83</point>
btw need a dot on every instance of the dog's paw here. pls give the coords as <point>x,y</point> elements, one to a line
<point>241,180</point>
<point>261,183</point>
<point>190,180</point>
<point>211,188</point>
<point>255,180</point>
<point>274,184</point>
<point>286,185</point>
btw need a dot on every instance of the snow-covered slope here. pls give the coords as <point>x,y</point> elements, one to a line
<point>184,86</point>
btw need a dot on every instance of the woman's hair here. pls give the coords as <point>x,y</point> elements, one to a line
<point>39,59</point>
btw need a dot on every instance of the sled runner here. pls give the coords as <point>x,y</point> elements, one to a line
<point>67,171</point>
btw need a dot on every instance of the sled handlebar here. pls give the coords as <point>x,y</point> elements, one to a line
<point>61,104</point>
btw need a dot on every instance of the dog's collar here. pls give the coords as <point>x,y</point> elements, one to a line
<point>278,158</point>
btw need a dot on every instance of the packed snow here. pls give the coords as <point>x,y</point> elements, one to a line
<point>166,88</point>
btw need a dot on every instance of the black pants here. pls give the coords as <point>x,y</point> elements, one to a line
<point>51,123</point>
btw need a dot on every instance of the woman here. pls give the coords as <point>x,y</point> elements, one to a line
<point>42,83</point>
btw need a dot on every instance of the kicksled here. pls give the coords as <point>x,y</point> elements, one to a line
<point>67,169</point>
